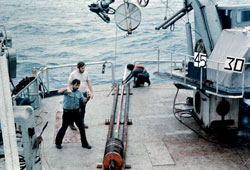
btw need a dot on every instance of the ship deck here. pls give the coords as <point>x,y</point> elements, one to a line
<point>156,139</point>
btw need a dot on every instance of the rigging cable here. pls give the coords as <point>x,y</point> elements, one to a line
<point>166,11</point>
<point>40,122</point>
<point>244,165</point>
<point>190,112</point>
<point>181,112</point>
<point>115,48</point>
<point>43,155</point>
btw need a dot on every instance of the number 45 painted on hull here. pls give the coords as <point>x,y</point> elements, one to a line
<point>200,60</point>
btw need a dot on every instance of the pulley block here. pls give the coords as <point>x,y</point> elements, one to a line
<point>127,17</point>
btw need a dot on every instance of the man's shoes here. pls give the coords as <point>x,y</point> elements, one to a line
<point>72,127</point>
<point>135,86</point>
<point>58,146</point>
<point>86,146</point>
<point>148,82</point>
<point>85,126</point>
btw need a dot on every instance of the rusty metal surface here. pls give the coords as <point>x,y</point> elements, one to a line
<point>125,127</point>
<point>112,119</point>
<point>113,152</point>
<point>113,113</point>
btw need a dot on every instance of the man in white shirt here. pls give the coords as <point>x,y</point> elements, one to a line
<point>85,87</point>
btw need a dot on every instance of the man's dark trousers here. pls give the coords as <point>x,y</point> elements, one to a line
<point>83,108</point>
<point>68,117</point>
<point>141,79</point>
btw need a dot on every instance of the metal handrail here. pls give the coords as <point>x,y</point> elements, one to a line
<point>46,70</point>
<point>26,87</point>
<point>184,62</point>
<point>186,57</point>
<point>4,36</point>
<point>74,65</point>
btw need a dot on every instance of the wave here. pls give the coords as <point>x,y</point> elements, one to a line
<point>64,32</point>
<point>72,31</point>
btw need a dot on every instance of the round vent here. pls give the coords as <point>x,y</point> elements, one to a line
<point>223,107</point>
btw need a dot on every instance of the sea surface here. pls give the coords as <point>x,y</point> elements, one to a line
<point>51,33</point>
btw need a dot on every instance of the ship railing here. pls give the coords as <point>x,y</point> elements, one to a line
<point>3,37</point>
<point>30,92</point>
<point>180,60</point>
<point>217,78</point>
<point>40,85</point>
<point>73,66</point>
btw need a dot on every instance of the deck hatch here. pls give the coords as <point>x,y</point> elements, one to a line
<point>159,154</point>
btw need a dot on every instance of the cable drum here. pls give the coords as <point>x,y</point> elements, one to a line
<point>127,17</point>
<point>113,154</point>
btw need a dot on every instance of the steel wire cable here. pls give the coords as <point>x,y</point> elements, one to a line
<point>188,112</point>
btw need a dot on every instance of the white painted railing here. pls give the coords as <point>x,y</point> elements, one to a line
<point>43,75</point>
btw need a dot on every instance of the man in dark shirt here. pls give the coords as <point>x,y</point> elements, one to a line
<point>71,106</point>
<point>139,73</point>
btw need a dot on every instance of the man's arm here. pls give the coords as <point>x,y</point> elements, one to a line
<point>70,80</point>
<point>128,77</point>
<point>69,84</point>
<point>62,90</point>
<point>84,99</point>
<point>91,89</point>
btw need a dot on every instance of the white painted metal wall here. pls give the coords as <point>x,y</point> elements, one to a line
<point>7,118</point>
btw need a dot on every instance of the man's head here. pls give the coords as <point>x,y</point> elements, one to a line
<point>130,67</point>
<point>75,84</point>
<point>81,66</point>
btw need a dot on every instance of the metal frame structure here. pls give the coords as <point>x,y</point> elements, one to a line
<point>116,143</point>
<point>24,116</point>
<point>43,77</point>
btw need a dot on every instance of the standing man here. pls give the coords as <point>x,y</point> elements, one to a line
<point>139,73</point>
<point>71,104</point>
<point>85,85</point>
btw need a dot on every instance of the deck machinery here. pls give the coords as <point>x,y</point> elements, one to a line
<point>19,142</point>
<point>218,63</point>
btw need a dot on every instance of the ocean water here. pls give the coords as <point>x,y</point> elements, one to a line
<point>50,33</point>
